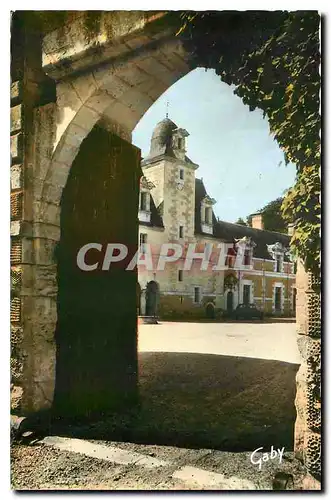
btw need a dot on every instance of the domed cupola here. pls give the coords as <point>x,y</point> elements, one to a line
<point>167,139</point>
<point>161,142</point>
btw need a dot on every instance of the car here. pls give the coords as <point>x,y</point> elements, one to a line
<point>247,311</point>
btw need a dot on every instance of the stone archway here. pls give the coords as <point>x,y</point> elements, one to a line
<point>115,96</point>
<point>111,78</point>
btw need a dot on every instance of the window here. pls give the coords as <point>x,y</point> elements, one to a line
<point>180,275</point>
<point>231,257</point>
<point>208,215</point>
<point>247,258</point>
<point>278,298</point>
<point>247,294</point>
<point>181,231</point>
<point>196,294</point>
<point>143,200</point>
<point>278,264</point>
<point>180,143</point>
<point>181,174</point>
<point>142,242</point>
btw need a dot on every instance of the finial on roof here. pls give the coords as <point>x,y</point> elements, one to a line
<point>167,112</point>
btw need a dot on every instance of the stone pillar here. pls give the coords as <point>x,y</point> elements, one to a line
<point>32,287</point>
<point>307,440</point>
<point>16,214</point>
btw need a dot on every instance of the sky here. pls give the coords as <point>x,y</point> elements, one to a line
<point>241,164</point>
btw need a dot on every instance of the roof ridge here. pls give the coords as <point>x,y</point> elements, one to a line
<point>252,228</point>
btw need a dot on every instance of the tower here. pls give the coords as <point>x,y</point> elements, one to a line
<point>173,176</point>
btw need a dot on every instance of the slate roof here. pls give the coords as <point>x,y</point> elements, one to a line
<point>228,232</point>
<point>156,218</point>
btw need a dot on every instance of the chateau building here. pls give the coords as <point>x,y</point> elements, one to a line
<point>235,264</point>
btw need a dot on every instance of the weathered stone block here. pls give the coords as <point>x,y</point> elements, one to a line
<point>86,118</point>
<point>66,153</point>
<point>16,177</point>
<point>46,231</point>
<point>15,251</point>
<point>308,347</point>
<point>16,118</point>
<point>39,310</point>
<point>15,310</point>
<point>44,251</point>
<point>15,228</point>
<point>16,147</point>
<point>312,453</point>
<point>75,135</point>
<point>84,86</point>
<point>15,91</point>
<point>44,281</point>
<point>16,205</point>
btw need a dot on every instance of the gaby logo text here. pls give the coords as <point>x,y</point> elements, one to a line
<point>274,454</point>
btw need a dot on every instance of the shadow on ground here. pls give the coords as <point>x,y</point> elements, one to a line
<point>228,403</point>
<point>225,402</point>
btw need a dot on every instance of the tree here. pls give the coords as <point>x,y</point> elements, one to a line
<point>272,59</point>
<point>241,222</point>
<point>273,219</point>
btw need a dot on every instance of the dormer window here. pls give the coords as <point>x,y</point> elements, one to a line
<point>180,143</point>
<point>277,252</point>
<point>144,198</point>
<point>144,214</point>
<point>208,215</point>
<point>247,257</point>
<point>278,263</point>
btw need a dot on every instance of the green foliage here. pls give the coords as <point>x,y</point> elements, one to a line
<point>272,59</point>
<point>273,219</point>
<point>230,282</point>
<point>241,222</point>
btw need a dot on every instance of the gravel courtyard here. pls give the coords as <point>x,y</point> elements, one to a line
<point>229,386</point>
<point>274,341</point>
<point>210,394</point>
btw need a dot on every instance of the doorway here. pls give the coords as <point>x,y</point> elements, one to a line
<point>152,298</point>
<point>229,301</point>
<point>96,332</point>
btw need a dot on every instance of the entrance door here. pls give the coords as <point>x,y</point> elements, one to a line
<point>229,301</point>
<point>152,292</point>
<point>278,298</point>
<point>96,335</point>
<point>246,294</point>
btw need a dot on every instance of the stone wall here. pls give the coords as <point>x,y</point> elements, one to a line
<point>308,380</point>
<point>16,215</point>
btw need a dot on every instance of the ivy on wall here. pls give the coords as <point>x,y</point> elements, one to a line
<point>272,59</point>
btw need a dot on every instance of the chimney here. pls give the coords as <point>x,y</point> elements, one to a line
<point>290,229</point>
<point>257,221</point>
